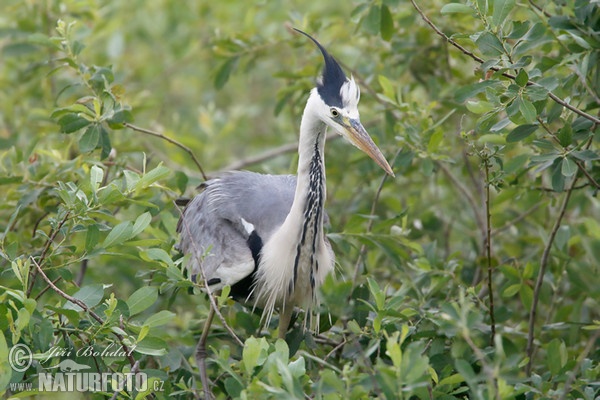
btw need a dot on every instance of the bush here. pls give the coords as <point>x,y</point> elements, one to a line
<point>473,274</point>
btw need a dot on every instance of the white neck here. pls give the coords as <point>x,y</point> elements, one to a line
<point>296,259</point>
<point>312,141</point>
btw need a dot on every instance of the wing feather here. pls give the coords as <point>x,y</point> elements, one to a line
<point>214,226</point>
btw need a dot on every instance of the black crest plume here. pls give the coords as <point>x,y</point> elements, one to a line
<point>333,76</point>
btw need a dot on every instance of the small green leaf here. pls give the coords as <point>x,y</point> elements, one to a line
<point>472,90</point>
<point>91,237</point>
<point>511,290</point>
<point>520,132</point>
<point>456,8</point>
<point>161,318</point>
<point>90,295</point>
<point>492,138</point>
<point>96,177</point>
<point>556,356</point>
<point>152,176</point>
<point>254,353</point>
<point>72,122</point>
<point>586,155</point>
<point>527,110</point>
<point>435,140</point>
<point>558,179</point>
<point>479,107</point>
<point>565,135</point>
<point>90,138</point>
<point>104,143</point>
<point>522,78</point>
<point>372,21</point>
<point>152,346</point>
<point>389,90</point>
<point>501,10</point>
<point>142,299</point>
<point>118,234</point>
<point>141,223</point>
<point>387,23</point>
<point>568,167</point>
<point>224,72</point>
<point>489,45</point>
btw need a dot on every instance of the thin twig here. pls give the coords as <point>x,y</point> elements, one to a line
<point>267,155</point>
<point>541,273</point>
<point>363,248</point>
<point>45,251</point>
<point>170,140</point>
<point>497,69</point>
<point>84,307</point>
<point>465,192</point>
<point>488,248</point>
<point>518,219</point>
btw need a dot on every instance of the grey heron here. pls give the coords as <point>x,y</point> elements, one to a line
<point>262,235</point>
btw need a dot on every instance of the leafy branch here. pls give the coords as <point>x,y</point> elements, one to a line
<point>84,307</point>
<point>498,69</point>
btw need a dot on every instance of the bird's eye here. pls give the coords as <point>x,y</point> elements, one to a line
<point>334,112</point>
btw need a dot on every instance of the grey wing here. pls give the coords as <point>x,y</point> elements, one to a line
<point>216,224</point>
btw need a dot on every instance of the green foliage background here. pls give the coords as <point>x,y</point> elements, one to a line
<point>473,274</point>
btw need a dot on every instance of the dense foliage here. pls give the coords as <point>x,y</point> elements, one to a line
<point>473,274</point>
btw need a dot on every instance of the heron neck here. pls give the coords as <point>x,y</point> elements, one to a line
<point>310,187</point>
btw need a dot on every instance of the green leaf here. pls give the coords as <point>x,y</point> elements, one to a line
<point>90,138</point>
<point>224,72</point>
<point>387,23</point>
<point>479,107</point>
<point>568,167</point>
<point>492,138</point>
<point>152,176</point>
<point>141,299</point>
<point>520,132</point>
<point>565,135</point>
<point>586,155</point>
<point>254,353</point>
<point>90,295</point>
<point>72,122</point>
<point>372,21</point>
<point>501,10</point>
<point>472,90</point>
<point>91,237</point>
<point>435,140</point>
<point>556,354</point>
<point>5,367</point>
<point>489,45</point>
<point>558,179</point>
<point>152,346</point>
<point>141,223</point>
<point>160,318</point>
<point>96,177</point>
<point>456,8</point>
<point>522,78</point>
<point>118,234</point>
<point>527,110</point>
<point>104,143</point>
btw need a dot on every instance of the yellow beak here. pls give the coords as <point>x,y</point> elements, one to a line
<point>358,136</point>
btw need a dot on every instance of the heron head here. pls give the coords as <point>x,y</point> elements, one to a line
<point>339,110</point>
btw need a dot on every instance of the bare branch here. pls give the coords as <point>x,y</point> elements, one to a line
<point>541,273</point>
<point>170,140</point>
<point>45,251</point>
<point>267,155</point>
